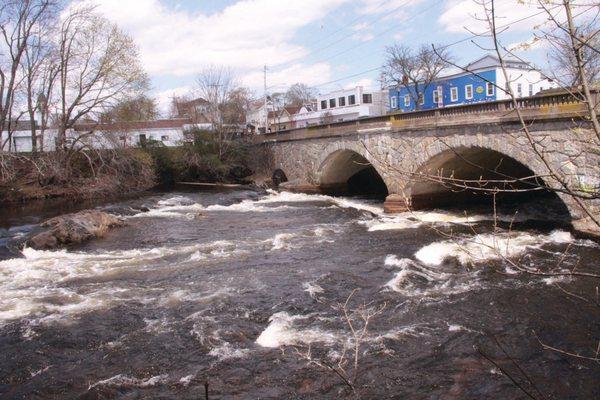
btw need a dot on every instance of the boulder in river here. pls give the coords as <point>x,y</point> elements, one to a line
<point>74,228</point>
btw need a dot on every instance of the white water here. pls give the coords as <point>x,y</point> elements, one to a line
<point>35,284</point>
<point>127,381</point>
<point>485,247</point>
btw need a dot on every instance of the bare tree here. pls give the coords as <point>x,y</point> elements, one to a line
<point>564,61</point>
<point>299,94</point>
<point>40,71</point>
<point>139,108</point>
<point>98,67</point>
<point>227,103</point>
<point>19,20</point>
<point>414,70</point>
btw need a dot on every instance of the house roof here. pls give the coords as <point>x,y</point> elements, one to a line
<point>492,60</point>
<point>292,109</point>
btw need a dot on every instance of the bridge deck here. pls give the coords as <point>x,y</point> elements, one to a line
<point>541,108</point>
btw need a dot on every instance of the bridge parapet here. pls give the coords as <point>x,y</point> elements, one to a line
<point>540,108</point>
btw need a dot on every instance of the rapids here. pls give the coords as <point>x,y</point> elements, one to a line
<point>235,288</point>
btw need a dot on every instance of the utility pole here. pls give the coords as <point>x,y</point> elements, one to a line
<point>266,108</point>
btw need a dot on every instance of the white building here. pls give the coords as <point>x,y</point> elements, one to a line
<point>170,133</point>
<point>344,105</point>
<point>256,117</point>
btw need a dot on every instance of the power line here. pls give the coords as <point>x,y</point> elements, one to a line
<point>345,27</point>
<point>474,35</point>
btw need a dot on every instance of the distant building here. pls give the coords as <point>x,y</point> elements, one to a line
<point>342,105</point>
<point>195,110</point>
<point>258,114</point>
<point>479,85</point>
<point>283,118</point>
<point>167,132</point>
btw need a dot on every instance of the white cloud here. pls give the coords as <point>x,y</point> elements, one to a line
<point>360,27</point>
<point>363,37</point>
<point>365,82</point>
<point>461,16</point>
<point>244,35</point>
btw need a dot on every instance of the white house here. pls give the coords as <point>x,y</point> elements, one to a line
<point>259,113</point>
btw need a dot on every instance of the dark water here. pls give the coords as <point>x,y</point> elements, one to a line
<point>235,289</point>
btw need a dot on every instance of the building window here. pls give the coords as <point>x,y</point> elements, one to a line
<point>342,101</point>
<point>323,104</point>
<point>351,100</point>
<point>406,101</point>
<point>331,103</point>
<point>164,138</point>
<point>436,97</point>
<point>530,89</point>
<point>393,102</point>
<point>468,92</point>
<point>421,98</point>
<point>519,90</point>
<point>454,94</point>
<point>367,98</point>
<point>489,89</point>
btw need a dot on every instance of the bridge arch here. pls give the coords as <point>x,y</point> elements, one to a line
<point>467,175</point>
<point>348,171</point>
<point>278,177</point>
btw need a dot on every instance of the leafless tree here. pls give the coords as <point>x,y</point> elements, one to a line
<point>299,94</point>
<point>19,23</point>
<point>564,61</point>
<point>227,101</point>
<point>139,108</point>
<point>40,70</point>
<point>414,70</point>
<point>98,67</point>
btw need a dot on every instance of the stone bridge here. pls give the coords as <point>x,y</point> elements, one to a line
<point>447,156</point>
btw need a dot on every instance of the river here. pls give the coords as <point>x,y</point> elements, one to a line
<point>245,291</point>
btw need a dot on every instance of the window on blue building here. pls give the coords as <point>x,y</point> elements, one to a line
<point>489,89</point>
<point>436,97</point>
<point>421,98</point>
<point>406,100</point>
<point>468,92</point>
<point>454,94</point>
<point>393,102</point>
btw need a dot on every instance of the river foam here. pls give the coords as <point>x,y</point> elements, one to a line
<point>484,247</point>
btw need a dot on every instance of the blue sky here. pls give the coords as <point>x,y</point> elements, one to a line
<point>310,41</point>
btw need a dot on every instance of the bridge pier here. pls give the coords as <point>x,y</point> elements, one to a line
<point>396,203</point>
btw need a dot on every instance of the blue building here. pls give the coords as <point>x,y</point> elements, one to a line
<point>480,85</point>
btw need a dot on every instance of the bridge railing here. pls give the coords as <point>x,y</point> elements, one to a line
<point>558,105</point>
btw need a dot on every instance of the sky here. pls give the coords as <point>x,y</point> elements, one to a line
<point>328,44</point>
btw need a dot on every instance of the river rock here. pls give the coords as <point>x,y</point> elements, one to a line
<point>74,228</point>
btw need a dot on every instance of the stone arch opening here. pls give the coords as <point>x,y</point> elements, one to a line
<point>278,177</point>
<point>345,172</point>
<point>437,182</point>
